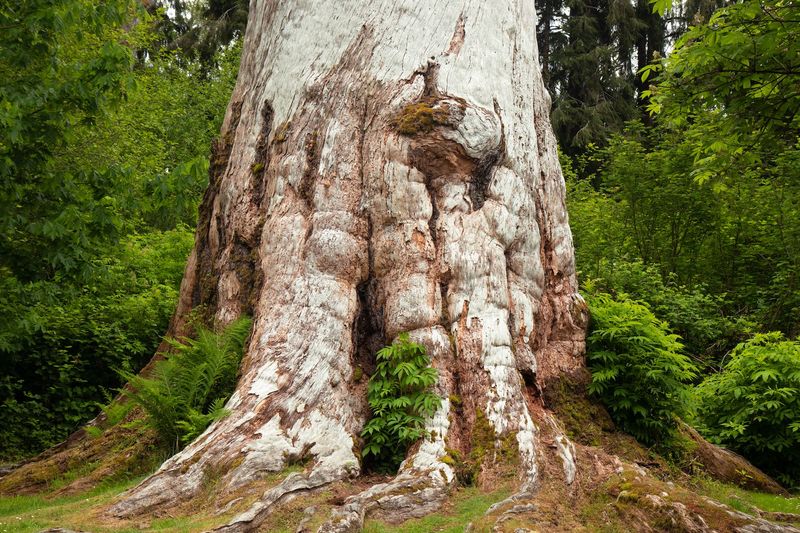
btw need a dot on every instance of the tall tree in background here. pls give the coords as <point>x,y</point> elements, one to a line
<point>591,51</point>
<point>199,29</point>
<point>650,44</point>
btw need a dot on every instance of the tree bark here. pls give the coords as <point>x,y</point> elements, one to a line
<point>383,167</point>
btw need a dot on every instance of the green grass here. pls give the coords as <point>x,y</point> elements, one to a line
<point>745,500</point>
<point>83,512</point>
<point>469,504</point>
<point>72,475</point>
<point>31,514</point>
<point>23,514</point>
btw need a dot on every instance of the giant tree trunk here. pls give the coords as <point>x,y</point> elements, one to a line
<point>383,167</point>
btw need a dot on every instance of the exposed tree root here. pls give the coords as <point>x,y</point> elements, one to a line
<point>728,466</point>
<point>411,494</point>
<point>295,485</point>
<point>85,462</point>
<point>609,492</point>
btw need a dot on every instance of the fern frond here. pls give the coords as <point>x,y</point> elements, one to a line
<point>187,390</point>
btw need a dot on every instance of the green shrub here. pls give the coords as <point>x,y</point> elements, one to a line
<point>400,400</point>
<point>188,388</point>
<point>753,405</point>
<point>60,343</point>
<point>637,368</point>
<point>694,313</point>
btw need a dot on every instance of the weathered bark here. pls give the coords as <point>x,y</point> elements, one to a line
<point>384,166</point>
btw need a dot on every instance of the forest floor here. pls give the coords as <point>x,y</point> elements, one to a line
<point>621,487</point>
<point>605,511</point>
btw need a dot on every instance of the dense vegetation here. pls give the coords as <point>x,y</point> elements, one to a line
<point>187,390</point>
<point>753,404</point>
<point>103,156</point>
<point>694,213</point>
<point>680,149</point>
<point>638,368</point>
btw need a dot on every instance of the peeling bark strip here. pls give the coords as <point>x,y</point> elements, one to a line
<point>381,172</point>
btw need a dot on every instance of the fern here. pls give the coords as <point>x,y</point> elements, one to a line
<point>637,368</point>
<point>400,400</point>
<point>188,388</point>
<point>196,422</point>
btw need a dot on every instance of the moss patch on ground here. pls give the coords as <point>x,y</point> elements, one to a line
<point>587,422</point>
<point>631,497</point>
<point>82,512</point>
<point>32,513</point>
<point>119,453</point>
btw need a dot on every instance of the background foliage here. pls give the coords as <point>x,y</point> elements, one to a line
<point>753,405</point>
<point>637,368</point>
<point>691,209</point>
<point>103,158</point>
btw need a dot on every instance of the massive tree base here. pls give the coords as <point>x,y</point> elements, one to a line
<point>613,483</point>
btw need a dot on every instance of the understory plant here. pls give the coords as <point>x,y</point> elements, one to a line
<point>637,367</point>
<point>187,390</point>
<point>400,399</point>
<point>753,405</point>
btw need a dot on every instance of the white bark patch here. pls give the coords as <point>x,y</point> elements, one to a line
<point>478,132</point>
<point>566,450</point>
<point>332,443</point>
<point>266,453</point>
<point>265,381</point>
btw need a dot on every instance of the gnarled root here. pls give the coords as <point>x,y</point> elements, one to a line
<point>293,486</point>
<point>411,494</point>
<point>422,484</point>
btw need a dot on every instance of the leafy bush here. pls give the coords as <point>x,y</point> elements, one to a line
<point>400,399</point>
<point>753,405</point>
<point>94,147</point>
<point>637,368</point>
<point>696,315</point>
<point>62,64</point>
<point>187,389</point>
<point>59,343</point>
